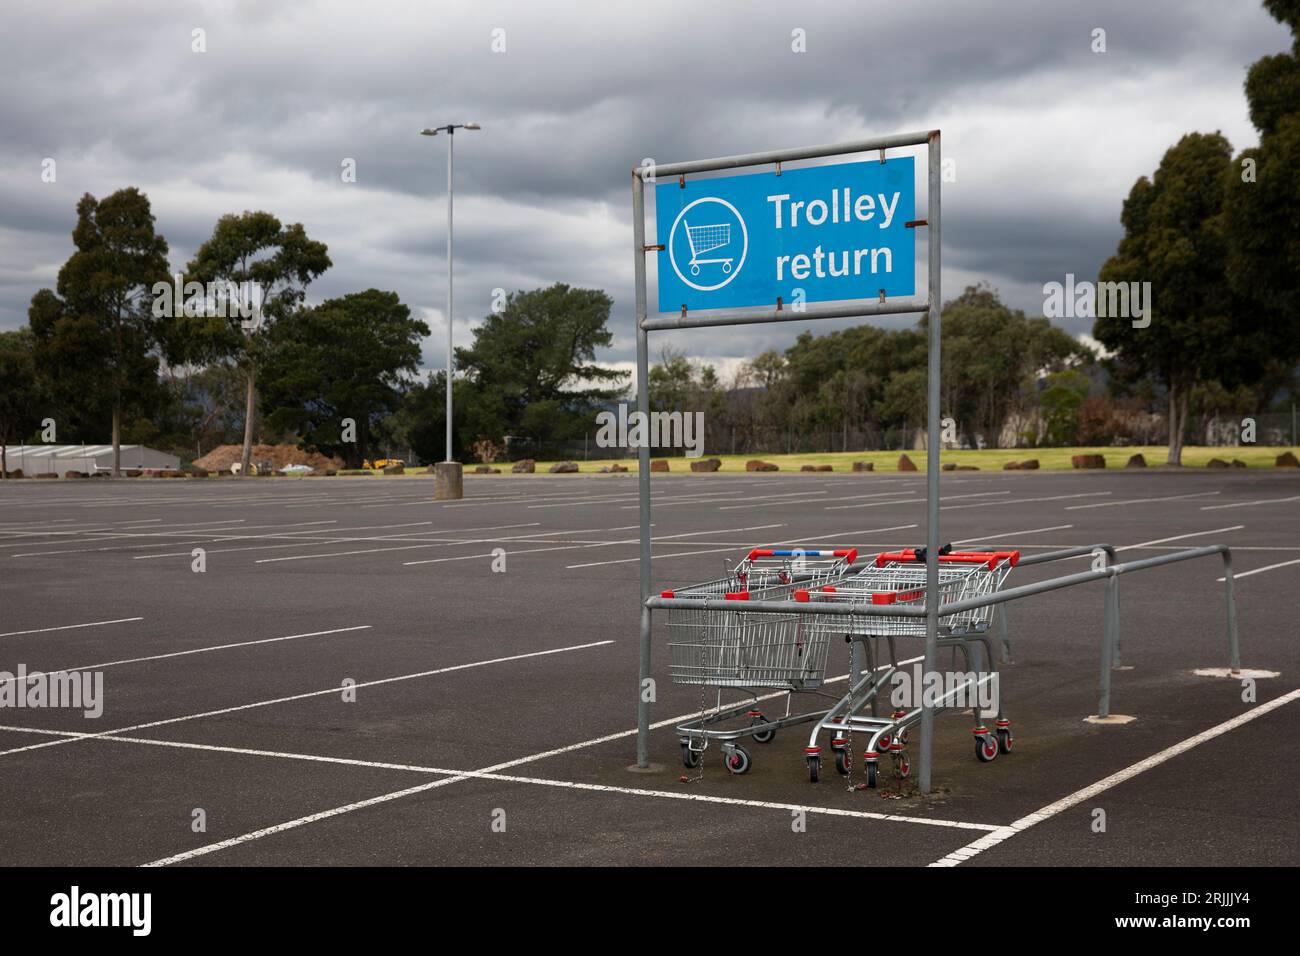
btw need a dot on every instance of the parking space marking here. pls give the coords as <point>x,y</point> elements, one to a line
<point>656,557</point>
<point>1248,504</point>
<point>193,650</point>
<point>1180,537</point>
<point>1238,575</point>
<point>1003,834</point>
<point>1140,501</point>
<point>69,627</point>
<point>308,694</point>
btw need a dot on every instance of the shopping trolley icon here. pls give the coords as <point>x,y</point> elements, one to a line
<point>704,239</point>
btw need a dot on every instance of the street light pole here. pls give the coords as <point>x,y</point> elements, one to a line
<point>449,474</point>
<point>451,138</point>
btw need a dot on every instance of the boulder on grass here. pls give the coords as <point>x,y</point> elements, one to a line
<point>1216,463</point>
<point>197,472</point>
<point>617,469</point>
<point>394,469</point>
<point>968,468</point>
<point>46,474</point>
<point>1029,464</point>
<point>659,465</point>
<point>905,463</point>
<point>706,465</point>
<point>1136,461</point>
<point>757,464</point>
<point>1238,463</point>
<point>525,467</point>
<point>864,466</point>
<point>74,474</point>
<point>16,473</point>
<point>563,468</point>
<point>1088,461</point>
<point>949,466</point>
<point>1287,460</point>
<point>486,470</point>
<point>1011,466</point>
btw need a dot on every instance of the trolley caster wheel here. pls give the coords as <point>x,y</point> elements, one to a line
<point>873,774</point>
<point>814,769</point>
<point>691,758</point>
<point>903,766</point>
<point>986,748</point>
<point>883,743</point>
<point>1006,740</point>
<point>695,270</point>
<point>762,736</point>
<point>738,760</point>
<point>726,267</point>
<point>843,761</point>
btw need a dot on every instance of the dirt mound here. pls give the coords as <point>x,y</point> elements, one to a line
<point>223,456</point>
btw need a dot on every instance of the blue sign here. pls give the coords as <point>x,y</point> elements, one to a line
<point>816,234</point>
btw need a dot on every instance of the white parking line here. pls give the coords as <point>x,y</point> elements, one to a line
<point>308,694</point>
<point>1003,834</point>
<point>1140,501</point>
<point>195,650</point>
<point>69,627</point>
<point>1238,575</point>
<point>1180,537</point>
<point>1248,504</point>
<point>656,557</point>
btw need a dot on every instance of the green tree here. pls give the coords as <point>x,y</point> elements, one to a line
<point>272,265</point>
<point>97,340</point>
<point>532,366</point>
<point>17,390</point>
<point>1062,398</point>
<point>1174,239</point>
<point>1261,196</point>
<point>344,359</point>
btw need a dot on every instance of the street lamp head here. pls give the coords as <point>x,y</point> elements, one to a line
<point>472,126</point>
<point>428,132</point>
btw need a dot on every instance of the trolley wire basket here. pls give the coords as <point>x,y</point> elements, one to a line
<point>720,643</point>
<point>899,578</point>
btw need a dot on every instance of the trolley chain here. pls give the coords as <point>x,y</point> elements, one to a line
<point>704,738</point>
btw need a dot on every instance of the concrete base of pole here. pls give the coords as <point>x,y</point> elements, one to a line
<point>448,481</point>
<point>648,768</point>
<point>1117,720</point>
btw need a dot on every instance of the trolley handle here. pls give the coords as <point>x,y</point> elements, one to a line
<point>848,554</point>
<point>990,558</point>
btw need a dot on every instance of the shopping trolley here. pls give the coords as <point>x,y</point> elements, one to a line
<point>899,578</point>
<point>719,643</point>
<point>705,239</point>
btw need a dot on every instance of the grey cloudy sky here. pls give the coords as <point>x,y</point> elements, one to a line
<point>1048,136</point>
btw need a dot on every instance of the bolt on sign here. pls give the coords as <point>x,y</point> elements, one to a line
<point>813,234</point>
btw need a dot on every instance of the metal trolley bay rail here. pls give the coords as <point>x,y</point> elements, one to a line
<point>718,642</point>
<point>899,579</point>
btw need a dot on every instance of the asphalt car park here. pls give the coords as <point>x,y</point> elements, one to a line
<point>361,674</point>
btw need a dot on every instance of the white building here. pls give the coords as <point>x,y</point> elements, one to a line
<point>39,459</point>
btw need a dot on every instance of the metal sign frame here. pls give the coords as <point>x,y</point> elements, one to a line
<point>861,309</point>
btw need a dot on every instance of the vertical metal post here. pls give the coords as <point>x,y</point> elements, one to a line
<point>932,459</point>
<point>643,466</point>
<point>1006,634</point>
<point>451,136</point>
<point>1110,633</point>
<point>1234,648</point>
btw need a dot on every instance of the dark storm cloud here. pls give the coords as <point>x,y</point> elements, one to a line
<point>1047,135</point>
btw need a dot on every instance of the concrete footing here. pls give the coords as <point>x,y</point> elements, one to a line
<point>448,481</point>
